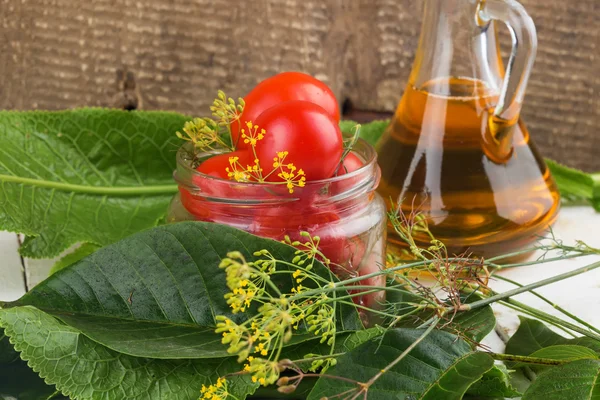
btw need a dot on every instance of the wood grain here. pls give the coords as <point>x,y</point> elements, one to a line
<point>157,54</point>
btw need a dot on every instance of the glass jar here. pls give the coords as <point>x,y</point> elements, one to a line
<point>345,212</point>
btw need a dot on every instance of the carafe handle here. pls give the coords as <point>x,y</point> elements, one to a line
<point>524,47</point>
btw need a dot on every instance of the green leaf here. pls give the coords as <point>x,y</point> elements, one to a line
<point>566,352</point>
<point>347,126</point>
<point>534,335</point>
<point>344,342</point>
<point>87,175</point>
<point>596,192</point>
<point>495,383</point>
<point>440,367</point>
<point>577,380</point>
<point>475,324</point>
<point>84,369</point>
<point>572,183</point>
<point>156,293</point>
<point>82,251</point>
<point>370,132</point>
<point>576,185</point>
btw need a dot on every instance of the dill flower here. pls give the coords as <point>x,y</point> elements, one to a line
<point>217,391</point>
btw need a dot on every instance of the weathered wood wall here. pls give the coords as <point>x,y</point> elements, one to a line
<point>174,54</point>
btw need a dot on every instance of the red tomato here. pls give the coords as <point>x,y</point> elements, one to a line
<point>291,219</point>
<point>217,165</point>
<point>280,88</point>
<point>307,132</point>
<point>195,205</point>
<point>351,163</point>
<point>346,252</point>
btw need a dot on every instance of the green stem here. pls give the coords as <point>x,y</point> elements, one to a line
<point>527,360</point>
<point>340,285</point>
<point>386,271</point>
<point>554,305</point>
<point>303,360</point>
<point>86,189</point>
<point>527,288</point>
<point>549,317</point>
<point>537,262</point>
<point>351,296</point>
<point>269,282</point>
<point>332,347</point>
<point>539,317</point>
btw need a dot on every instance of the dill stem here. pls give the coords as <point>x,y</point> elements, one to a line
<point>269,282</point>
<point>554,305</point>
<point>525,359</point>
<point>513,254</point>
<point>536,262</point>
<point>303,360</point>
<point>539,317</point>
<point>505,295</point>
<point>553,319</point>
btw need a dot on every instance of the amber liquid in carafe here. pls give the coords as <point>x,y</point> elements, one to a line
<point>481,196</point>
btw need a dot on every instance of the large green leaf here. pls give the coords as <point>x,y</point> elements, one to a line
<point>80,252</point>
<point>440,367</point>
<point>84,369</point>
<point>156,293</point>
<point>534,335</point>
<point>578,380</point>
<point>494,383</point>
<point>87,175</point>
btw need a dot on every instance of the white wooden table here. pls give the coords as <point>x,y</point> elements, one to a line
<point>579,295</point>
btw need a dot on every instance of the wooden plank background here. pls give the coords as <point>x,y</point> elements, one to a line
<point>175,54</point>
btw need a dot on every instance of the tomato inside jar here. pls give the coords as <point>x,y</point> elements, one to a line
<point>344,212</point>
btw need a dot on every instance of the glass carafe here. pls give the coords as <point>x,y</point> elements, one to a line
<point>456,148</point>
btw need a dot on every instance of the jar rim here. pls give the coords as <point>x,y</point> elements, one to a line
<point>338,189</point>
<point>370,163</point>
